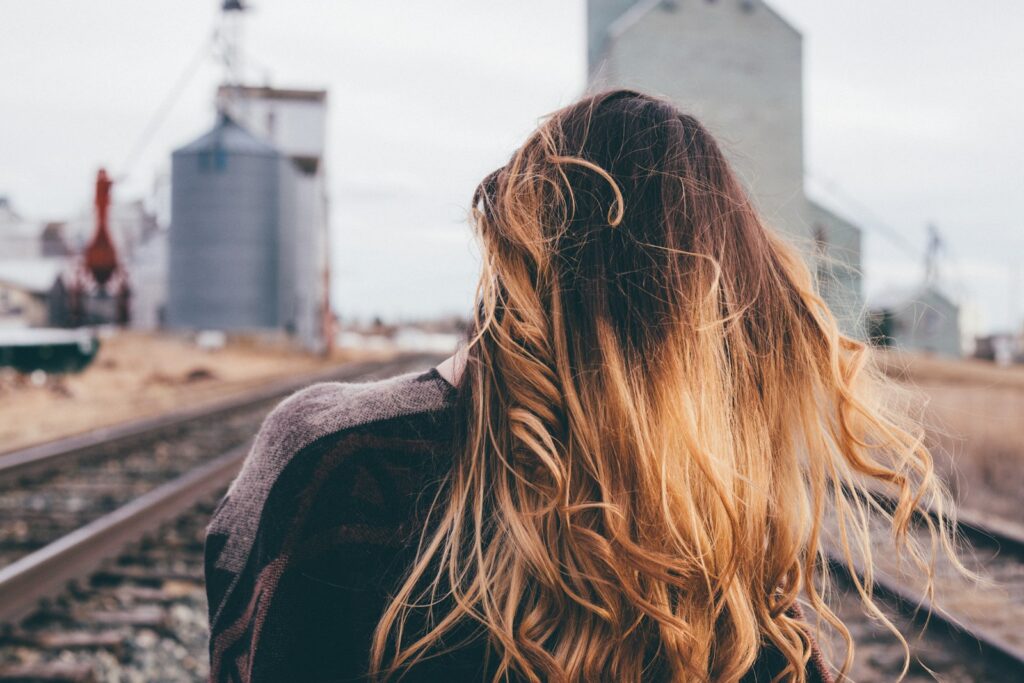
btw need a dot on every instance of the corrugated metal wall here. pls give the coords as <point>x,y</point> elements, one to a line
<point>308,258</point>
<point>224,243</point>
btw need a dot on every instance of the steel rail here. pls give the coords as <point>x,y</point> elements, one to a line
<point>970,523</point>
<point>44,572</point>
<point>1006,535</point>
<point>34,460</point>
<point>912,603</point>
<point>974,526</point>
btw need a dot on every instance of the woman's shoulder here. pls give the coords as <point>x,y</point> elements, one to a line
<point>328,408</point>
<point>323,501</point>
<point>326,425</point>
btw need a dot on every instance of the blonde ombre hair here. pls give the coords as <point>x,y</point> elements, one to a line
<point>660,413</point>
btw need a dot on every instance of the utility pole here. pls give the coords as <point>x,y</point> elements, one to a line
<point>230,39</point>
<point>229,45</point>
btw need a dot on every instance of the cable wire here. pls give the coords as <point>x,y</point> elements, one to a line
<point>872,221</point>
<point>166,105</point>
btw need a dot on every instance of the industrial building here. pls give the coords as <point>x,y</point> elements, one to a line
<point>737,65</point>
<point>49,278</point>
<point>246,250</point>
<point>23,239</point>
<point>248,240</point>
<point>33,257</point>
<point>920,319</point>
<point>838,264</point>
<point>27,289</point>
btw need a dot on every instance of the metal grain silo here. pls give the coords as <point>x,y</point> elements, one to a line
<point>224,246</point>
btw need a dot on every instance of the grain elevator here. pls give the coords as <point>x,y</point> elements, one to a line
<point>248,238</point>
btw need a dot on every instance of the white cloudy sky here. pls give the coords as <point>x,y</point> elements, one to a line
<point>914,114</point>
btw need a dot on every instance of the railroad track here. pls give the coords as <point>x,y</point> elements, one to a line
<point>72,612</point>
<point>29,462</point>
<point>972,632</point>
<point>65,507</point>
<point>50,490</point>
<point>140,618</point>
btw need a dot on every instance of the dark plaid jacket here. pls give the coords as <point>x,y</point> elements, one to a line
<point>320,526</point>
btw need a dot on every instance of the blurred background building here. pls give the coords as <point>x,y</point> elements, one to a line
<point>248,243</point>
<point>838,264</point>
<point>243,243</point>
<point>33,254</point>
<point>737,65</point>
<point>921,319</point>
<point>248,237</point>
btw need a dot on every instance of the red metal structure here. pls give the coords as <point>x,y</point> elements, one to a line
<point>100,255</point>
<point>99,273</point>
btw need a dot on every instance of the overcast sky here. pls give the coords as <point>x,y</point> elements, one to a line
<point>913,114</point>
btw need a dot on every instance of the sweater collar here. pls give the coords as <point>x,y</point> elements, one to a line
<point>452,367</point>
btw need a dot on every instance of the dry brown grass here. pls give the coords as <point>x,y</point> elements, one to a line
<point>976,415</point>
<point>136,375</point>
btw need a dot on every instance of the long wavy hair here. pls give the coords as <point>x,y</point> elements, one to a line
<point>661,415</point>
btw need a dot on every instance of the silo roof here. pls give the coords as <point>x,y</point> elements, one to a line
<point>228,135</point>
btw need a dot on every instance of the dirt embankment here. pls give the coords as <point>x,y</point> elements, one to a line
<point>976,414</point>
